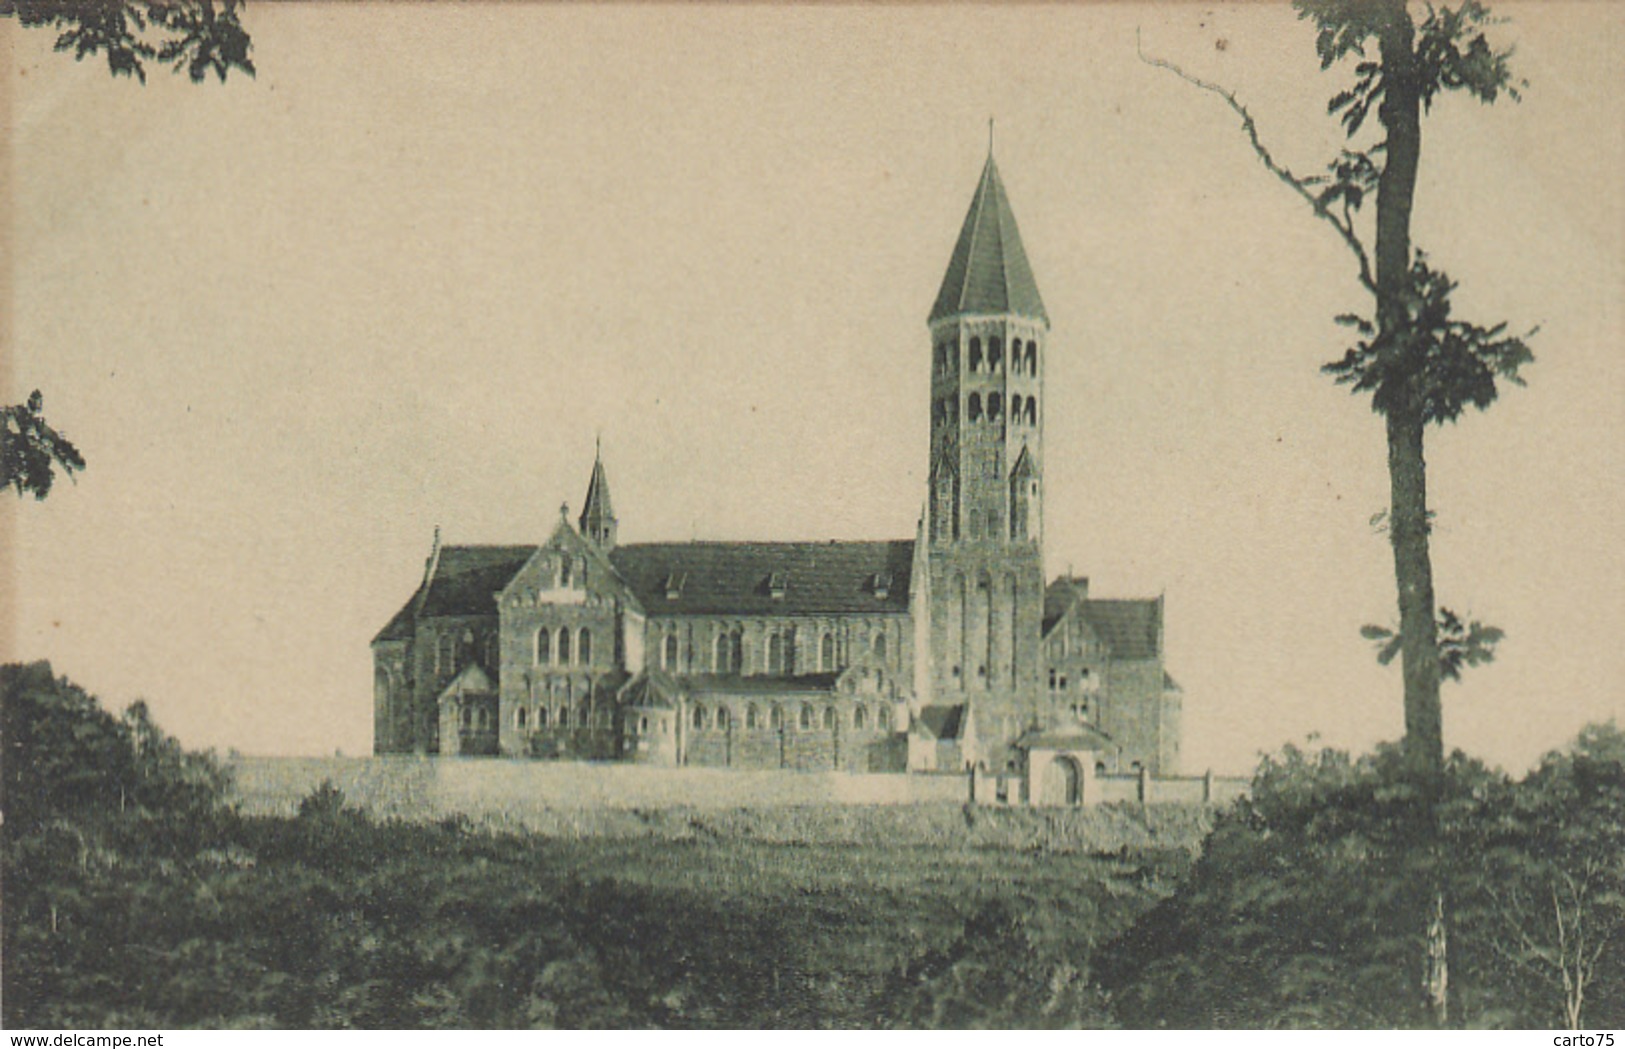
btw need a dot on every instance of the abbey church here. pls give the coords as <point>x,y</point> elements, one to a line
<point>944,651</point>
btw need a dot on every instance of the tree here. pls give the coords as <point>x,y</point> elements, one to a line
<point>198,36</point>
<point>1421,364</point>
<point>30,450</point>
<point>1286,918</point>
<point>1554,880</point>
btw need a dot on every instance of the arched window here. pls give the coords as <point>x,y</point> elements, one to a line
<point>1100,768</point>
<point>883,719</point>
<point>643,726</point>
<point>860,717</point>
<point>976,355</point>
<point>1015,357</point>
<point>719,654</point>
<point>564,573</point>
<point>564,646</point>
<point>1015,408</point>
<point>584,647</point>
<point>582,719</point>
<point>1032,357</point>
<point>699,716</point>
<point>541,717</point>
<point>737,655</point>
<point>995,406</point>
<point>722,718</point>
<point>752,718</point>
<point>806,716</point>
<point>468,715</point>
<point>775,716</point>
<point>829,719</point>
<point>973,408</point>
<point>995,354</point>
<point>1032,411</point>
<point>544,647</point>
<point>668,658</point>
<point>878,646</point>
<point>826,652</point>
<point>519,718</point>
<point>775,653</point>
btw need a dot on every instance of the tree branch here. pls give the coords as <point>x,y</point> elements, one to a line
<point>1298,185</point>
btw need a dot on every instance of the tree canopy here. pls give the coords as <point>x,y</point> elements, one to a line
<point>1287,919</point>
<point>197,37</point>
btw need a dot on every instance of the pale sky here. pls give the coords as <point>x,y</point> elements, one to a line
<point>404,276</point>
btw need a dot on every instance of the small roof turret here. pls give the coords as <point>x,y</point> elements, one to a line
<point>597,515</point>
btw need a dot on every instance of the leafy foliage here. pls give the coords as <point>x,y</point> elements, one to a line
<point>198,36</point>
<point>67,758</point>
<point>30,450</point>
<point>1307,906</point>
<point>1453,53</point>
<point>1441,364</point>
<point>1461,644</point>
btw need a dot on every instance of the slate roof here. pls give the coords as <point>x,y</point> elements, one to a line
<point>467,579</point>
<point>942,722</point>
<point>1081,738</point>
<point>1130,627</point>
<point>989,272</point>
<point>1059,597</point>
<point>399,628</point>
<point>597,504</point>
<point>652,688</point>
<point>732,578</point>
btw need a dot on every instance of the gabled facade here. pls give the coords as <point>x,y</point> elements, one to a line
<point>942,652</point>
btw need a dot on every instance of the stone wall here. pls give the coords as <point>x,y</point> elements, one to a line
<point>421,788</point>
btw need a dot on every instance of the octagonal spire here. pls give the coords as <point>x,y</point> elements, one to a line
<point>989,272</point>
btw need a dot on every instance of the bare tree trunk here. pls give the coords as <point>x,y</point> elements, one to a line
<point>1401,118</point>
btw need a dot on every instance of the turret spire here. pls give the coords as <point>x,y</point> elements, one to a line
<point>597,514</point>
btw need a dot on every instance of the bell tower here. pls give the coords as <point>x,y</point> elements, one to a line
<point>985,505</point>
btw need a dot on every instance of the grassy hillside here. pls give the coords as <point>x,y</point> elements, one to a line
<point>331,919</point>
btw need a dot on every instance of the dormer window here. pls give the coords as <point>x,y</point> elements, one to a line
<point>882,585</point>
<point>776,585</point>
<point>674,585</point>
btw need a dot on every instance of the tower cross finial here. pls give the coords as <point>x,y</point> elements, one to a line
<point>990,136</point>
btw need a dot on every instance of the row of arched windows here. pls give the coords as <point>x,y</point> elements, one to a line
<point>1023,356</point>
<point>778,652</point>
<point>551,653</point>
<point>808,717</point>
<point>1022,409</point>
<point>559,717</point>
